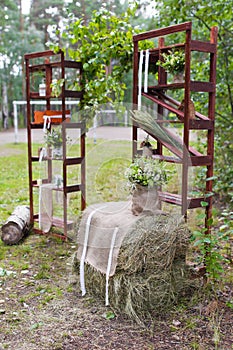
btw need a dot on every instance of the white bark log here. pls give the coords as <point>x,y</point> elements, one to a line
<point>16,226</point>
<point>5,111</point>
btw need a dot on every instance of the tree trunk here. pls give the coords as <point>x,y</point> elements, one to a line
<point>5,106</point>
<point>16,226</point>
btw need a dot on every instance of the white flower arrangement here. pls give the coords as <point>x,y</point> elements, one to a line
<point>146,172</point>
<point>173,61</point>
<point>54,138</point>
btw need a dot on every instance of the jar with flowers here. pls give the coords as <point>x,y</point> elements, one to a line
<point>144,176</point>
<point>53,140</point>
<point>173,62</point>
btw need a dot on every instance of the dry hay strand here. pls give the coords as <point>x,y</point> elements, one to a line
<point>151,272</point>
<point>153,243</point>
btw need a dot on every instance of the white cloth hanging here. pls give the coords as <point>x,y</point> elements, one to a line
<point>140,80</point>
<point>45,207</point>
<point>146,71</point>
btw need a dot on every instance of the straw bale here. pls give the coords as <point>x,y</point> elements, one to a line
<point>151,272</point>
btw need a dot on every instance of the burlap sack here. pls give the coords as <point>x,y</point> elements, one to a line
<point>96,231</point>
<point>144,199</point>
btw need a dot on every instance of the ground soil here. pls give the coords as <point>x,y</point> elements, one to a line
<point>41,308</point>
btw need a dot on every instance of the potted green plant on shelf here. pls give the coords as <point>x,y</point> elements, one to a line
<point>144,176</point>
<point>53,140</point>
<point>173,62</point>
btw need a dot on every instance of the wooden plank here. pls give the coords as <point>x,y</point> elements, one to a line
<point>164,104</point>
<point>37,68</point>
<point>201,124</point>
<point>35,95</point>
<point>196,202</point>
<point>202,46</point>
<point>192,150</point>
<point>73,161</point>
<point>72,188</point>
<point>162,87</point>
<point>167,158</point>
<point>78,125</point>
<point>170,198</point>
<point>201,160</point>
<point>74,94</point>
<point>40,54</point>
<point>176,199</point>
<point>156,50</point>
<point>36,184</point>
<point>201,86</point>
<point>171,148</point>
<point>72,64</point>
<point>57,222</point>
<point>195,86</point>
<point>163,31</point>
<point>177,103</point>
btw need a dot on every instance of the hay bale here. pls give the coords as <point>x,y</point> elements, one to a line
<point>151,272</point>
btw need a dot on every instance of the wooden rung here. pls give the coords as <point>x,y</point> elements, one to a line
<point>167,158</point>
<point>58,222</point>
<point>176,199</point>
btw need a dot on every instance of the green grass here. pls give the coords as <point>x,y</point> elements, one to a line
<point>106,162</point>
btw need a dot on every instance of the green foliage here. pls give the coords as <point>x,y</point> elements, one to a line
<point>56,87</point>
<point>226,221</point>
<point>109,315</point>
<point>173,61</point>
<point>105,47</point>
<point>210,245</point>
<point>223,162</point>
<point>53,138</point>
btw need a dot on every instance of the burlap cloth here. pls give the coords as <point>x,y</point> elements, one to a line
<point>144,200</point>
<point>101,232</point>
<point>97,227</point>
<point>45,207</point>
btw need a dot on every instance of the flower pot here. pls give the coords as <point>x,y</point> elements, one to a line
<point>144,199</point>
<point>49,152</point>
<point>57,152</point>
<point>178,78</point>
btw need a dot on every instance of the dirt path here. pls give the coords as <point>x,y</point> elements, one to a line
<point>106,132</point>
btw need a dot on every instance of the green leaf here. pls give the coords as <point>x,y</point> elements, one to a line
<point>211,178</point>
<point>109,315</point>
<point>36,325</point>
<point>204,204</point>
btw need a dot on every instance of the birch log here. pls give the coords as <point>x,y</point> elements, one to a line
<point>16,226</point>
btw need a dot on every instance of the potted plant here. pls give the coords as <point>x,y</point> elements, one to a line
<point>173,62</point>
<point>53,140</point>
<point>144,176</point>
